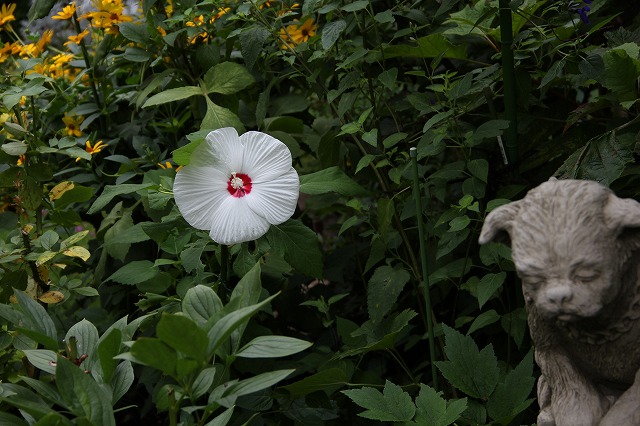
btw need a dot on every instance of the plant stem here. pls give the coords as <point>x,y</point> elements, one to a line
<point>413,153</point>
<point>509,80</point>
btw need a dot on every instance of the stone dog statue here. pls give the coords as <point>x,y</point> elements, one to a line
<point>575,245</point>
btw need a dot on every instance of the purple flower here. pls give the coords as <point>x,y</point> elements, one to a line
<point>583,13</point>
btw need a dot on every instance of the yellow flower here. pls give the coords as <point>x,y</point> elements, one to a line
<point>168,9</point>
<point>168,165</point>
<point>293,35</point>
<point>99,146</point>
<point>108,15</point>
<point>21,160</point>
<point>197,21</point>
<point>76,39</point>
<point>72,124</point>
<point>6,14</point>
<point>5,52</point>
<point>67,12</point>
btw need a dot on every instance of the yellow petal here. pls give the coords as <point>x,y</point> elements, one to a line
<point>51,297</point>
<point>77,251</point>
<point>57,191</point>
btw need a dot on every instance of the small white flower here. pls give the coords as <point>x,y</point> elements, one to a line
<point>235,187</point>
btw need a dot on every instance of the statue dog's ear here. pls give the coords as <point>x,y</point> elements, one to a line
<point>499,224</point>
<point>622,215</point>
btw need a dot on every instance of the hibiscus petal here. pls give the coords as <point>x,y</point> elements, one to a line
<point>276,200</point>
<point>265,157</point>
<point>221,148</point>
<point>199,192</point>
<point>234,222</point>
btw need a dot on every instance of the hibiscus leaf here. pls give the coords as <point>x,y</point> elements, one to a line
<point>218,117</point>
<point>298,245</point>
<point>227,78</point>
<point>111,191</point>
<point>171,95</point>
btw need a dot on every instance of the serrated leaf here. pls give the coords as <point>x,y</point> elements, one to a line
<point>393,405</point>
<point>134,272</point>
<point>511,395</point>
<point>385,285</point>
<point>251,42</point>
<point>218,117</point>
<point>433,410</point>
<point>472,371</point>
<point>298,245</point>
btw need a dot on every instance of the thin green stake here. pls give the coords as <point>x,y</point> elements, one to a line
<point>413,153</point>
<point>509,80</point>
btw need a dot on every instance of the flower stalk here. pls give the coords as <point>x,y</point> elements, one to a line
<point>413,153</point>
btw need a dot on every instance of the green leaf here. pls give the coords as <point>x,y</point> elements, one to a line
<point>134,32</point>
<point>40,9</point>
<point>86,338</point>
<point>251,42</point>
<point>108,348</point>
<point>121,380</point>
<point>218,117</point>
<point>472,371</point>
<point>134,272</point>
<point>331,32</point>
<point>223,418</point>
<point>510,396</point>
<point>431,46</point>
<point>272,347</point>
<point>82,394</point>
<point>223,327</point>
<point>489,284</point>
<point>602,159</point>
<point>252,384</point>
<point>36,316</point>
<point>298,245</point>
<point>331,179</point>
<point>385,285</point>
<point>183,335</point>
<point>355,6</point>
<point>320,381</point>
<point>483,320</point>
<point>203,381</point>
<point>490,129</point>
<point>201,303</point>
<point>182,155</point>
<point>14,148</point>
<point>393,405</point>
<point>171,95</point>
<point>154,353</point>
<point>111,191</point>
<point>228,78</point>
<point>43,359</point>
<point>621,71</point>
<point>479,168</point>
<point>433,410</point>
<point>77,194</point>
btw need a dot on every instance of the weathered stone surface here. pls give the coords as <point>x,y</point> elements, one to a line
<point>575,246</point>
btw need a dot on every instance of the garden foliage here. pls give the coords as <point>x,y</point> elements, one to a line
<point>113,310</point>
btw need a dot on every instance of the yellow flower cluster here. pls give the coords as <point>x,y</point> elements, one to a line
<point>204,35</point>
<point>108,15</point>
<point>293,35</point>
<point>92,150</point>
<point>6,14</point>
<point>66,13</point>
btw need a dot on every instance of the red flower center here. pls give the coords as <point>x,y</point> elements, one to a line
<point>239,185</point>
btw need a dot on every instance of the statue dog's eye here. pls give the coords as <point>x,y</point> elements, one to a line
<point>586,275</point>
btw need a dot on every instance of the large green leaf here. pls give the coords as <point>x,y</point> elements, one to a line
<point>135,272</point>
<point>251,42</point>
<point>272,347</point>
<point>474,372</point>
<point>183,335</point>
<point>331,378</point>
<point>108,348</point>
<point>431,46</point>
<point>512,394</point>
<point>171,95</point>
<point>298,245</point>
<point>85,336</point>
<point>218,117</point>
<point>328,180</point>
<point>36,316</point>
<point>392,405</point>
<point>154,353</point>
<point>228,78</point>
<point>111,191</point>
<point>433,410</point>
<point>251,385</point>
<point>201,303</point>
<point>83,395</point>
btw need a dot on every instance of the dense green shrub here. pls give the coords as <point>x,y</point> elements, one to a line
<point>115,310</point>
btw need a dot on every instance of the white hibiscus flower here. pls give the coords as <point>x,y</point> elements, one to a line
<point>235,187</point>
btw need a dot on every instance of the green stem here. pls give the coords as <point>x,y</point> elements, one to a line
<point>413,153</point>
<point>224,264</point>
<point>509,80</point>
